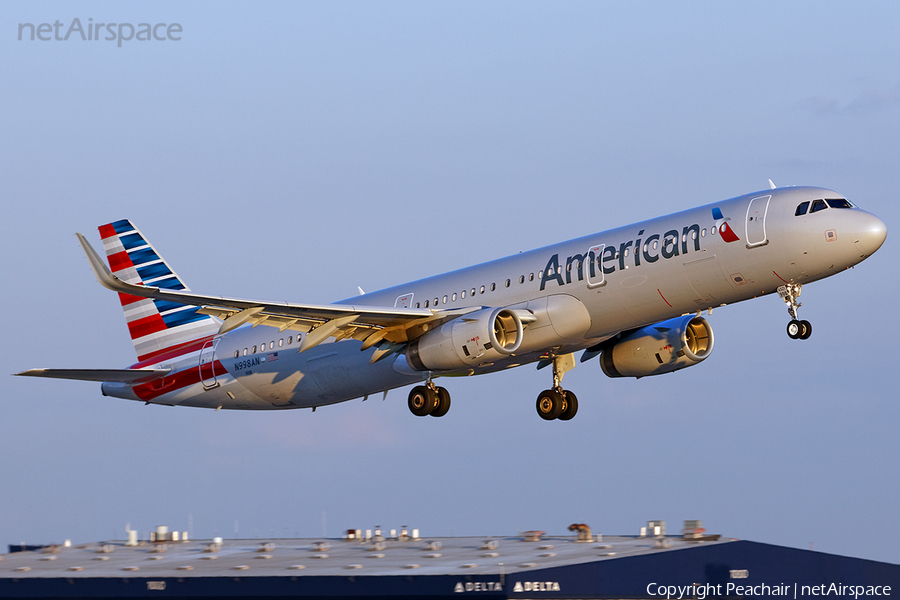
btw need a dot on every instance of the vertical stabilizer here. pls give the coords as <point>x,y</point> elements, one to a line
<point>157,327</point>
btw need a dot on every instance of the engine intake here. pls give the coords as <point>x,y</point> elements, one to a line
<point>660,348</point>
<point>483,336</point>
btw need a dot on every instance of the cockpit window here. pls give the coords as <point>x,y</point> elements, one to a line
<point>838,203</point>
<point>801,209</point>
<point>818,205</point>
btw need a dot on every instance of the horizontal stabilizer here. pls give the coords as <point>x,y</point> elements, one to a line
<point>102,375</point>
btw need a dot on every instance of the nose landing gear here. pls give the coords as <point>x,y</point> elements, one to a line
<point>796,329</point>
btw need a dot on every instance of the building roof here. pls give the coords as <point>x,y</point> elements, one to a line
<point>321,557</point>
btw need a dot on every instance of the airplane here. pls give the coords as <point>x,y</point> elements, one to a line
<point>632,296</point>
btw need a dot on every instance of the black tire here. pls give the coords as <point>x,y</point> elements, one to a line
<point>794,329</point>
<point>442,403</point>
<point>549,405</point>
<point>806,327</point>
<point>571,402</point>
<point>421,401</point>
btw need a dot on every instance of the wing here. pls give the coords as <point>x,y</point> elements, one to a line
<point>388,327</point>
<point>102,375</point>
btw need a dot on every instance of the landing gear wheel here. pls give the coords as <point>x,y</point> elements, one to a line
<point>549,404</point>
<point>806,330</point>
<point>795,328</point>
<point>442,403</point>
<point>571,406</point>
<point>421,401</point>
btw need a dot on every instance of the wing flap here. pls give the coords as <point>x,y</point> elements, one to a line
<point>101,375</point>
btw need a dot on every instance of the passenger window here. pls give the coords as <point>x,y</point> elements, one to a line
<point>493,286</point>
<point>435,301</point>
<point>237,353</point>
<point>417,305</point>
<point>426,304</point>
<point>453,297</point>
<point>445,299</point>
<point>473,291</point>
<point>463,293</point>
<point>801,209</point>
<point>245,352</point>
<point>838,203</point>
<point>272,345</point>
<point>521,279</point>
<point>531,277</point>
<point>482,289</point>
<point>508,282</point>
<point>818,205</point>
<point>281,342</point>
<point>253,351</point>
<point>290,340</point>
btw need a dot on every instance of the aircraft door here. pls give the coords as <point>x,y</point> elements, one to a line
<point>756,221</point>
<point>594,267</point>
<point>404,301</point>
<point>208,365</point>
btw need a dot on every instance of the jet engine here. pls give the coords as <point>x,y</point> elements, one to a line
<point>660,348</point>
<point>483,336</point>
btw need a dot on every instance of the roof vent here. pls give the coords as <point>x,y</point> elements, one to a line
<point>584,532</point>
<point>532,535</point>
<point>693,529</point>
<point>694,532</point>
<point>160,535</point>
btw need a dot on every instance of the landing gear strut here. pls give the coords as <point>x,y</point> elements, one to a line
<point>796,329</point>
<point>557,403</point>
<point>429,399</point>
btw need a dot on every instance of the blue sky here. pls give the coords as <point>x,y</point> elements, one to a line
<point>294,151</point>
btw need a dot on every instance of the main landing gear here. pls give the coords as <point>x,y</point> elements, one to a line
<point>557,403</point>
<point>796,329</point>
<point>429,399</point>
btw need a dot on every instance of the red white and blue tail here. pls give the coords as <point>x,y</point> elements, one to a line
<point>157,327</point>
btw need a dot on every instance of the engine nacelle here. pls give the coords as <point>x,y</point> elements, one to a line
<point>660,348</point>
<point>483,336</point>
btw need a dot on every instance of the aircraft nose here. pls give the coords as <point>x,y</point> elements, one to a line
<point>870,233</point>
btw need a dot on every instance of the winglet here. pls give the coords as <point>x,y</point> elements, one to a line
<point>101,271</point>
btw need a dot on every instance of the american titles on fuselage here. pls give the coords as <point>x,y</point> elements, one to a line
<point>603,259</point>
